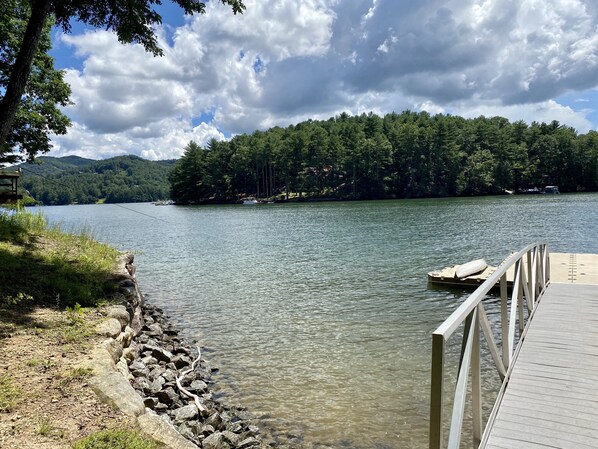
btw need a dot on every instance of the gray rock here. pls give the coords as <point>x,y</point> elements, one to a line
<point>169,376</point>
<point>160,408</point>
<point>115,390</point>
<point>139,369</point>
<point>156,372</point>
<point>198,385</point>
<point>114,349</point>
<point>215,441</point>
<point>181,361</point>
<point>182,350</point>
<point>108,328</point>
<point>120,313</point>
<point>157,385</point>
<point>164,432</point>
<point>130,353</point>
<point>141,383</point>
<point>126,337</point>
<point>248,443</point>
<point>214,420</point>
<point>231,437</point>
<point>149,360</point>
<point>204,429</point>
<point>185,413</point>
<point>161,354</point>
<point>154,330</point>
<point>150,402</point>
<point>167,396</point>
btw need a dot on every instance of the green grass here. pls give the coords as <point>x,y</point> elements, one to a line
<point>115,439</point>
<point>9,394</point>
<point>43,263</point>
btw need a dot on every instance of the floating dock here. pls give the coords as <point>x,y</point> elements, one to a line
<point>565,268</point>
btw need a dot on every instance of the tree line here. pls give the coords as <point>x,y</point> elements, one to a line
<point>406,155</point>
<point>122,179</point>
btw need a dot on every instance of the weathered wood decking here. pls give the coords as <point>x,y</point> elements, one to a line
<point>551,400</point>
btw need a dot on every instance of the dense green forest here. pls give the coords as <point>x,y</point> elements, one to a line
<point>71,179</point>
<point>396,156</point>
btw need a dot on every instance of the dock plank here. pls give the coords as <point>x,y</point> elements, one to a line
<point>551,400</point>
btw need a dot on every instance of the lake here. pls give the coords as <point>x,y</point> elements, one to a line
<point>319,315</point>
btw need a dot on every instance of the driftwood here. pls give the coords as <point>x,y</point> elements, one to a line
<point>186,392</point>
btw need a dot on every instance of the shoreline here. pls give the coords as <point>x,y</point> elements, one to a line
<point>171,378</point>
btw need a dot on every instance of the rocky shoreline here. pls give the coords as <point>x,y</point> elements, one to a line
<point>162,356</point>
<point>146,369</point>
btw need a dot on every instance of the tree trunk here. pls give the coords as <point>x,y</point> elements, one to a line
<point>22,67</point>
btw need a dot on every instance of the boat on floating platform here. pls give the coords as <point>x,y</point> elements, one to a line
<point>470,275</point>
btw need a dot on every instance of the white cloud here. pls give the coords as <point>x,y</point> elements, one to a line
<point>288,60</point>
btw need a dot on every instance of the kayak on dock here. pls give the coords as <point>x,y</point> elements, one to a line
<point>470,274</point>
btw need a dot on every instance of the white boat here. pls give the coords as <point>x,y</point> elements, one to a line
<point>250,200</point>
<point>552,190</point>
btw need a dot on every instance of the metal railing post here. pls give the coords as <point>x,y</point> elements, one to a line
<point>437,392</point>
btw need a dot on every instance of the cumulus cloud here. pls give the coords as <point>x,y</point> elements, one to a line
<point>288,60</point>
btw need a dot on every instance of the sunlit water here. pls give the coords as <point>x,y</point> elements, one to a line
<point>319,315</point>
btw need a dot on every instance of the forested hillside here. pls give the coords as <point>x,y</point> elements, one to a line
<point>395,156</point>
<point>122,179</point>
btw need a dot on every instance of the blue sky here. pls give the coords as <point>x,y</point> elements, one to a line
<point>285,61</point>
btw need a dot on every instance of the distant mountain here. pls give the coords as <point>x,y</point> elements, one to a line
<point>47,165</point>
<point>73,179</point>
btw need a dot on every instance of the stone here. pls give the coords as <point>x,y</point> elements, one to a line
<point>169,376</point>
<point>150,402</point>
<point>214,420</point>
<point>108,328</point>
<point>123,369</point>
<point>149,360</point>
<point>156,372</point>
<point>182,350</point>
<point>160,408</point>
<point>126,337</point>
<point>114,349</point>
<point>215,441</point>
<point>119,313</point>
<point>138,368</point>
<point>153,330</point>
<point>162,431</point>
<point>130,354</point>
<point>161,355</point>
<point>157,385</point>
<point>142,384</point>
<point>204,429</point>
<point>198,385</point>
<point>181,361</point>
<point>185,413</point>
<point>115,390</point>
<point>231,437</point>
<point>167,396</point>
<point>247,443</point>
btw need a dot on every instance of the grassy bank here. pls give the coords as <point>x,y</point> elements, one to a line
<point>43,263</point>
<point>52,289</point>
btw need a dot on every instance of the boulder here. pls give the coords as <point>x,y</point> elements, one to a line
<point>119,313</point>
<point>109,328</point>
<point>185,413</point>
<point>215,441</point>
<point>167,396</point>
<point>164,432</point>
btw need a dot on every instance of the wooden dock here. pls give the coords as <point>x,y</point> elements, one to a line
<point>551,400</point>
<point>549,397</point>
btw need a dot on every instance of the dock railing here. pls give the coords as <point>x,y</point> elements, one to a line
<point>531,277</point>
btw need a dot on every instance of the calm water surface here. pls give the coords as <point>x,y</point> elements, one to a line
<point>319,315</point>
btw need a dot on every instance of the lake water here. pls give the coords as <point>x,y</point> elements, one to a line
<point>319,315</point>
